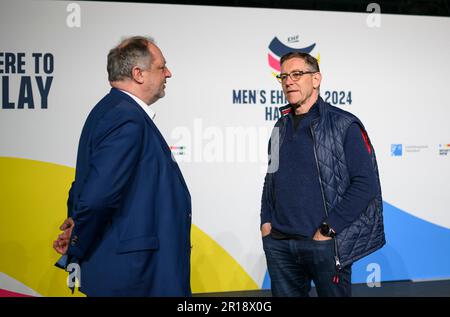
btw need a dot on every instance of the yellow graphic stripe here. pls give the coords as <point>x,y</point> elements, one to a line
<point>33,199</point>
<point>213,269</point>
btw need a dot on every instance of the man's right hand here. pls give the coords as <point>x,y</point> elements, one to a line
<point>62,243</point>
<point>266,229</point>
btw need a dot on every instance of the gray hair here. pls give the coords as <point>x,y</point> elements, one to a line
<point>310,61</point>
<point>131,52</point>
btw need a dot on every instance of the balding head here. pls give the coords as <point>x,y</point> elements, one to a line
<point>131,52</point>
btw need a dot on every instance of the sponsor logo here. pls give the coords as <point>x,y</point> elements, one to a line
<point>178,150</point>
<point>444,149</point>
<point>403,149</point>
<point>396,149</point>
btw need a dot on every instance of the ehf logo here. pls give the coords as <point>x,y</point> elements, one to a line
<point>277,49</point>
<point>272,98</point>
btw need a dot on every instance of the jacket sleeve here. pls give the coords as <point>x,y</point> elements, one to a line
<point>114,154</point>
<point>267,205</point>
<point>268,199</point>
<point>362,188</point>
<point>70,201</point>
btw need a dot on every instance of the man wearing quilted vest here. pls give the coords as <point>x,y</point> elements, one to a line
<point>321,208</point>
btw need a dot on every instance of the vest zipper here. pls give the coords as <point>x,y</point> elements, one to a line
<point>336,253</point>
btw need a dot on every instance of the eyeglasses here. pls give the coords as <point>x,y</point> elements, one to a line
<point>295,75</point>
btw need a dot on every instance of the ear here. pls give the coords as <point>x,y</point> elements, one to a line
<point>137,75</point>
<point>317,79</point>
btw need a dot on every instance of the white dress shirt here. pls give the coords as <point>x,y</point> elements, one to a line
<point>143,105</point>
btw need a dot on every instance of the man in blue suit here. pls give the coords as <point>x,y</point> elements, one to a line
<point>129,209</point>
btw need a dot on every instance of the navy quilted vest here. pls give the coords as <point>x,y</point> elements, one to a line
<point>366,234</point>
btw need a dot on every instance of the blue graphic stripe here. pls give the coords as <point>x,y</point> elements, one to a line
<point>415,249</point>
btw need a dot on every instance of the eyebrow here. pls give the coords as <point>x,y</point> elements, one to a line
<point>295,70</point>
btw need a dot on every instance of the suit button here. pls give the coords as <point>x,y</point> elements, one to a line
<point>74,241</point>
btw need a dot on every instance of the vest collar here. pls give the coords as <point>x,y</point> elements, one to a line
<point>287,109</point>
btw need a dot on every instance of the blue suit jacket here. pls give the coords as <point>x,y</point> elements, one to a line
<point>130,205</point>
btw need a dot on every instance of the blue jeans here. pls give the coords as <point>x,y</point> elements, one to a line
<point>293,264</point>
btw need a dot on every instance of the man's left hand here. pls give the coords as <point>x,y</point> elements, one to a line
<point>320,237</point>
<point>62,243</point>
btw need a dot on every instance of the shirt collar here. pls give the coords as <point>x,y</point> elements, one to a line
<point>289,109</point>
<point>143,105</point>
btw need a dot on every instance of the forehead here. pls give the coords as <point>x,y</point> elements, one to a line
<point>156,53</point>
<point>294,63</point>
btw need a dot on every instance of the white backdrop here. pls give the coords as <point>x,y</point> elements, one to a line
<point>396,75</point>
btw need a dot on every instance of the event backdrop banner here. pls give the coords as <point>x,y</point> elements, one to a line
<point>217,115</point>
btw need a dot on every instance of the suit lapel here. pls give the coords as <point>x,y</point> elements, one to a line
<point>166,150</point>
<point>164,145</point>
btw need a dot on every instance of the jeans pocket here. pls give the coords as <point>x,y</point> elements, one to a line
<point>322,241</point>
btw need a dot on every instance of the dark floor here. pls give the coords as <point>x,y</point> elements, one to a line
<point>438,288</point>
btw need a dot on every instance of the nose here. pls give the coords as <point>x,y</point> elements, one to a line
<point>168,73</point>
<point>288,82</point>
